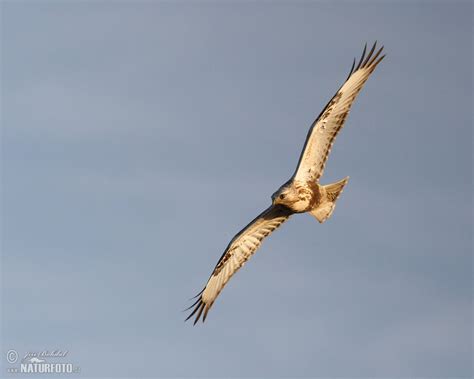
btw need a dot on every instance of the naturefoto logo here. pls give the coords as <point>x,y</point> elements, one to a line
<point>41,362</point>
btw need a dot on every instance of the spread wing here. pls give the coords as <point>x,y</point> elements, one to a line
<point>239,250</point>
<point>325,128</point>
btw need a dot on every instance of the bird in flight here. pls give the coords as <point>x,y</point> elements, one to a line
<point>302,193</point>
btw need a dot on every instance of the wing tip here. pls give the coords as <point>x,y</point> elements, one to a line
<point>370,61</point>
<point>198,307</point>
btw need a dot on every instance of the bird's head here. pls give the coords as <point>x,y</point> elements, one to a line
<point>286,195</point>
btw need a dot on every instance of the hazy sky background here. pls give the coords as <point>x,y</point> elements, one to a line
<point>139,137</point>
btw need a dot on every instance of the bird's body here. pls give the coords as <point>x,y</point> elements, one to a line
<point>298,195</point>
<point>302,193</point>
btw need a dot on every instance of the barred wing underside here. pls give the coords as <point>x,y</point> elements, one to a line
<point>324,130</point>
<point>240,249</point>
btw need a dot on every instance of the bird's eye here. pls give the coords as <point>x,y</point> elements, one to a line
<point>282,196</point>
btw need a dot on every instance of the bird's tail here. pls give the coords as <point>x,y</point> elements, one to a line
<point>330,194</point>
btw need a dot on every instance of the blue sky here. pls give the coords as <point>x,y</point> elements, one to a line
<point>139,137</point>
